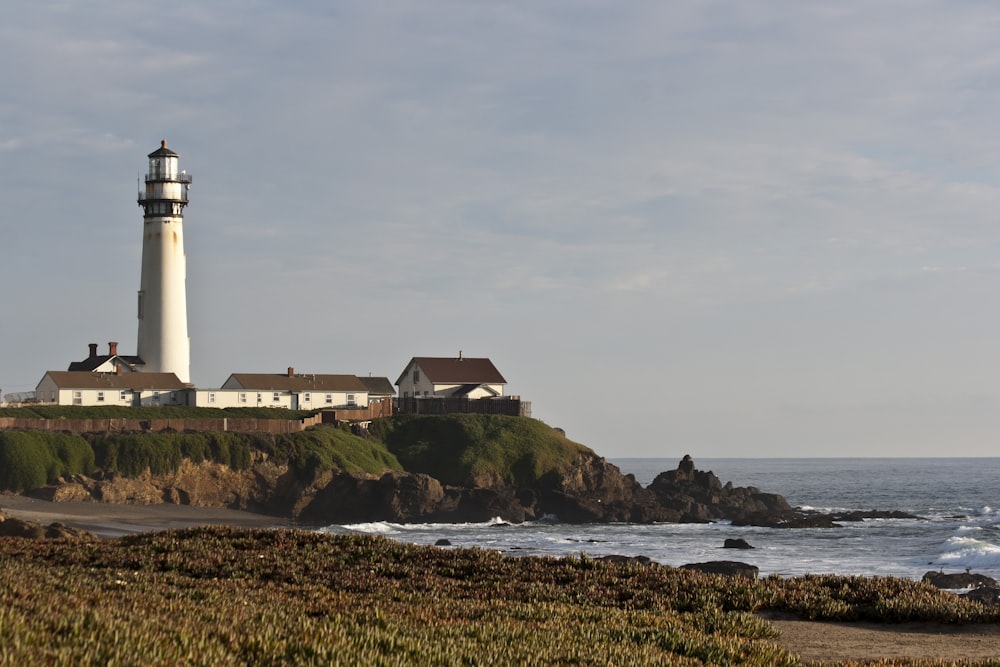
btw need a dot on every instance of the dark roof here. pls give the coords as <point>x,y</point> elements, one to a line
<point>466,389</point>
<point>91,363</point>
<point>302,382</point>
<point>87,380</point>
<point>378,386</point>
<point>162,151</point>
<point>457,370</point>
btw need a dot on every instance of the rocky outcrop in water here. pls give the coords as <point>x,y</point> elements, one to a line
<point>701,497</point>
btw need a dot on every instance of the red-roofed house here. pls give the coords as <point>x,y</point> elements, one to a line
<point>450,377</point>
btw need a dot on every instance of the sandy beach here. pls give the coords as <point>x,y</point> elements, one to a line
<point>814,642</point>
<point>110,520</point>
<point>819,642</point>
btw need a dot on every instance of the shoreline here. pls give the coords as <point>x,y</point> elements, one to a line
<point>811,640</point>
<point>110,520</point>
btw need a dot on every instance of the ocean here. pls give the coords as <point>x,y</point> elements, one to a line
<point>958,501</point>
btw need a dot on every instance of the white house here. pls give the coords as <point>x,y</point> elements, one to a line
<point>121,388</point>
<point>450,377</point>
<point>288,390</point>
<point>112,362</point>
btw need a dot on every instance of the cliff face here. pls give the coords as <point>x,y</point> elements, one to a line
<point>588,490</point>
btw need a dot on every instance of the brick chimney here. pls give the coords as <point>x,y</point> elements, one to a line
<point>291,372</point>
<point>113,348</point>
<point>93,350</point>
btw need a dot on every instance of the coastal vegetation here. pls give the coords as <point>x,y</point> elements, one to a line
<point>31,459</point>
<point>455,448</point>
<point>223,596</point>
<point>451,448</point>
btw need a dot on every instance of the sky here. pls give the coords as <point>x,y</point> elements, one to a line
<point>724,229</point>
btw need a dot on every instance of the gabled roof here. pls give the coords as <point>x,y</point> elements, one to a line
<point>285,382</point>
<point>455,370</point>
<point>91,363</point>
<point>134,381</point>
<point>378,386</point>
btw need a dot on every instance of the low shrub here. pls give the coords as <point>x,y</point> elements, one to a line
<point>31,459</point>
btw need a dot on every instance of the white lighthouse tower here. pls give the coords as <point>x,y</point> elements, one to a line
<point>163,343</point>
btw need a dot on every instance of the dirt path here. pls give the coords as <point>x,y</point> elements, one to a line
<point>818,642</point>
<point>112,520</point>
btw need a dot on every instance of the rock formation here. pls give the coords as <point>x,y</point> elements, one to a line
<point>589,490</point>
<point>10,527</point>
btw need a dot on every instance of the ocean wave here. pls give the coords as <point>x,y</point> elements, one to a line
<point>969,552</point>
<point>389,528</point>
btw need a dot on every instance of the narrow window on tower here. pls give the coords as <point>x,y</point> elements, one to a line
<point>141,294</point>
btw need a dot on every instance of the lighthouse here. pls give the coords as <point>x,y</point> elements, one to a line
<point>163,344</point>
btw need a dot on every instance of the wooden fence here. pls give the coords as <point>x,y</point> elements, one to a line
<point>234,425</point>
<point>511,406</point>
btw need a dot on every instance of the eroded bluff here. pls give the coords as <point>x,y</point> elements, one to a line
<point>589,490</point>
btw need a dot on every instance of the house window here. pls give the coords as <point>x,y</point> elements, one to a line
<point>211,397</point>
<point>416,376</point>
<point>329,399</point>
<point>277,397</point>
<point>243,397</point>
<point>77,398</point>
<point>350,399</point>
<point>123,395</point>
<point>156,397</point>
<point>306,398</point>
<point>100,397</point>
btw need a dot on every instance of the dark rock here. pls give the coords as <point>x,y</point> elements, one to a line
<point>443,543</point>
<point>737,543</point>
<point>984,595</point>
<point>791,519</point>
<point>19,528</point>
<point>729,568</point>
<point>697,497</point>
<point>959,580</point>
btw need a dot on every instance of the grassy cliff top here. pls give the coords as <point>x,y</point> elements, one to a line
<point>455,449</point>
<point>459,447</point>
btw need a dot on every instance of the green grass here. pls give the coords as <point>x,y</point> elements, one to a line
<point>31,459</point>
<point>219,596</point>
<point>456,448</point>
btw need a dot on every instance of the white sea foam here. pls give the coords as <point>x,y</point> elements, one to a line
<point>960,551</point>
